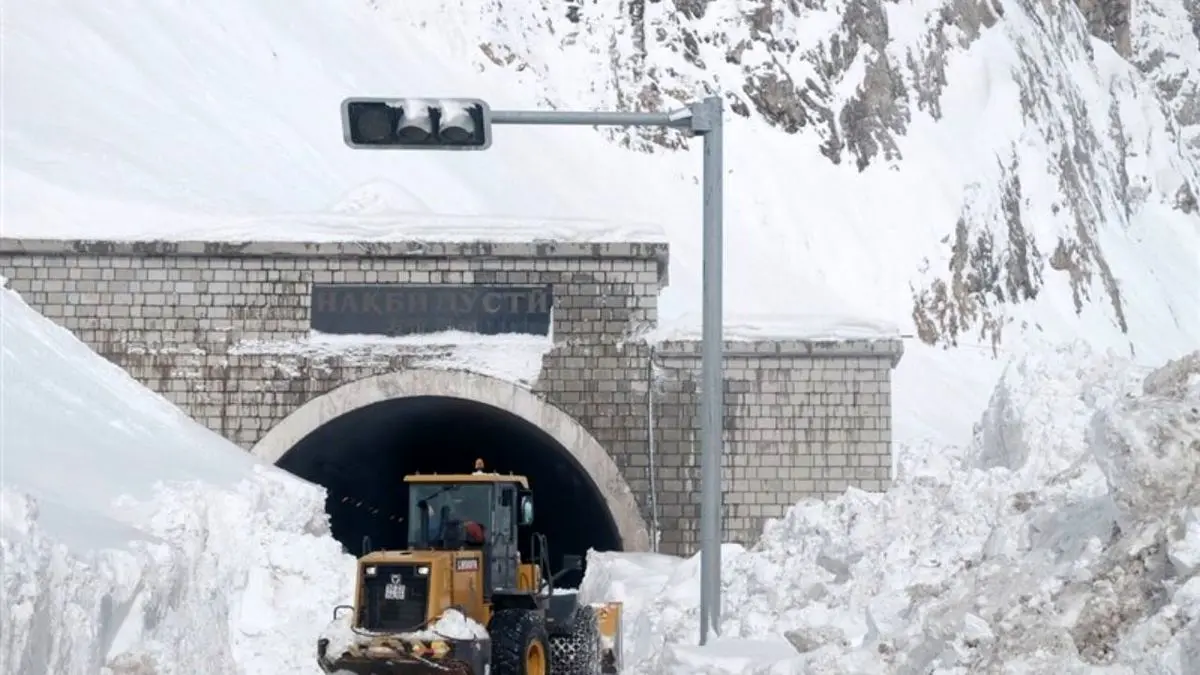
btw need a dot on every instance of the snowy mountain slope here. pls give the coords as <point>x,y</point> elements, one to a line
<point>1065,539</point>
<point>915,179</point>
<point>982,173</point>
<point>134,538</point>
<point>839,98</point>
<point>232,110</point>
<point>1165,44</point>
<point>1162,38</point>
<point>1021,161</point>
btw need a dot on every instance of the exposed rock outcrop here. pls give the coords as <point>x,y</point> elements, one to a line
<point>1108,100</point>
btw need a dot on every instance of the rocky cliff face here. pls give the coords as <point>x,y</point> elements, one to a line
<point>1165,46</point>
<point>1109,126</point>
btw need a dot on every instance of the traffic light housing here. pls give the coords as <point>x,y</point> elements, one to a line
<point>416,124</point>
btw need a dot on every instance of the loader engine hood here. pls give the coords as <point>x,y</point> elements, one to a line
<point>400,591</point>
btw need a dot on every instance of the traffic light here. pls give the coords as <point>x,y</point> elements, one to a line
<point>416,124</point>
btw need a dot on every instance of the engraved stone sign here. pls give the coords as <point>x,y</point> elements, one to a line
<point>413,309</point>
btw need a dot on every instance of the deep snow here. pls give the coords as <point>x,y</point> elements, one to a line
<point>134,539</point>
<point>1065,539</point>
<point>1071,525</point>
<point>137,541</point>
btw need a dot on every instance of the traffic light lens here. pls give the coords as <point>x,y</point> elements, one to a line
<point>457,135</point>
<point>374,124</point>
<point>412,134</point>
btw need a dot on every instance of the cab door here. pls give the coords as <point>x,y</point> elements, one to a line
<point>505,557</point>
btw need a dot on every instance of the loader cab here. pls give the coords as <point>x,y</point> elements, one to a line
<point>480,511</point>
<point>449,515</point>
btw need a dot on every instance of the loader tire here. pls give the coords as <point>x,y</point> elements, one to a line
<point>577,652</point>
<point>519,643</point>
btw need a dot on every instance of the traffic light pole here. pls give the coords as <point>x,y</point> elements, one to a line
<point>702,118</point>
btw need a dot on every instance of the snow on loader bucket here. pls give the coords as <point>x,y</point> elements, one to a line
<point>461,601</point>
<point>591,647</point>
<point>404,654</point>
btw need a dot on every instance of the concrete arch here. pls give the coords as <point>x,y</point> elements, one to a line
<point>491,391</point>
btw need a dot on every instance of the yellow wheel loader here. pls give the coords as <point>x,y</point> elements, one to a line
<point>463,561</point>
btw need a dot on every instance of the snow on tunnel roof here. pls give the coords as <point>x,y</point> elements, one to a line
<point>132,224</point>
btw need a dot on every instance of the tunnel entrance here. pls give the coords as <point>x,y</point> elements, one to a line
<point>362,457</point>
<point>360,439</point>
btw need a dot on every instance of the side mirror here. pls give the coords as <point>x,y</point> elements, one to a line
<point>526,510</point>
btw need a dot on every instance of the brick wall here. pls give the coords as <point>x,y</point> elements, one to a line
<point>801,418</point>
<point>169,313</point>
<point>190,294</point>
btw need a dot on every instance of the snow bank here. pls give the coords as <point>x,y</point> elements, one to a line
<point>1065,540</point>
<point>1150,450</point>
<point>134,540</point>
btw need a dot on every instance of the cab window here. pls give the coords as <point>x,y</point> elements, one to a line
<point>433,505</point>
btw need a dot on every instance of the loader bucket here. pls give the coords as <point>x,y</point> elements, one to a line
<point>608,615</point>
<point>402,654</point>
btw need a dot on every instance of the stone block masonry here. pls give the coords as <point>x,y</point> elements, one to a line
<point>802,418</point>
<point>199,294</point>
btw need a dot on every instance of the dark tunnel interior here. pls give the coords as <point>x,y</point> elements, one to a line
<point>363,456</point>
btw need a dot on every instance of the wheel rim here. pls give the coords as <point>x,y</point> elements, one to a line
<point>535,659</point>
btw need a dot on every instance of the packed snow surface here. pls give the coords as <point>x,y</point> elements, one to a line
<point>134,540</point>
<point>1065,539</point>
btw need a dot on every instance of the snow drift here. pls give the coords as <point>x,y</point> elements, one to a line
<point>1065,539</point>
<point>134,540</point>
